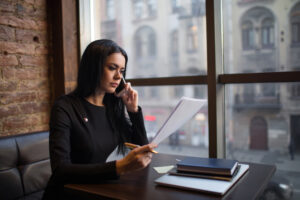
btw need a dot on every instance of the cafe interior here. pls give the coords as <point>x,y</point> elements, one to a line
<point>239,56</point>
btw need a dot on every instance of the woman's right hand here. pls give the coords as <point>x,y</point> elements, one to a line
<point>136,159</point>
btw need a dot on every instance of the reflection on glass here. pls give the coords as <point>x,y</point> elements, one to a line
<point>192,138</point>
<point>260,35</point>
<point>263,126</point>
<point>162,38</point>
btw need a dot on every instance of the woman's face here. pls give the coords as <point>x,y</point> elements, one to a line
<point>112,73</point>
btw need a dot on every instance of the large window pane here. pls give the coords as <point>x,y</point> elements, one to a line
<point>263,126</point>
<point>158,102</point>
<point>261,35</point>
<point>162,38</point>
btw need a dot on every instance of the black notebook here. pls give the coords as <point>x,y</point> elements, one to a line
<point>208,166</point>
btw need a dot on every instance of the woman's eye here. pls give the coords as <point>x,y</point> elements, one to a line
<point>111,68</point>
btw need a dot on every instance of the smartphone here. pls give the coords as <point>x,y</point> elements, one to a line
<point>121,86</point>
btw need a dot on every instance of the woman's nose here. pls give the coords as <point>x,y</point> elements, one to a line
<point>118,74</point>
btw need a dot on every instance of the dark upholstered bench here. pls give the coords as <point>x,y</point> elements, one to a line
<point>24,166</point>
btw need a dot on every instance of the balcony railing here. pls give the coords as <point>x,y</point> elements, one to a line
<point>252,101</point>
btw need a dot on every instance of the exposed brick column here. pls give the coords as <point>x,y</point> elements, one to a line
<point>25,66</point>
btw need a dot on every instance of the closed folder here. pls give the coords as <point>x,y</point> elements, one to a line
<point>208,165</point>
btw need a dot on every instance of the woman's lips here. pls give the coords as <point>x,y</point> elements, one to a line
<point>114,85</point>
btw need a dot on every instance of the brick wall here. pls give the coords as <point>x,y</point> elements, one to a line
<point>25,64</point>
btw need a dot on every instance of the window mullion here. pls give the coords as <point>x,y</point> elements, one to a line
<point>216,92</point>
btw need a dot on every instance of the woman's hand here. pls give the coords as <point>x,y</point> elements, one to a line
<point>136,159</point>
<point>129,97</point>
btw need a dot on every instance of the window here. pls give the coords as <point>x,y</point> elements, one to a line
<point>138,9</point>
<point>110,8</point>
<point>248,35</point>
<point>175,6</point>
<point>174,52</point>
<point>295,32</point>
<point>192,38</point>
<point>295,90</point>
<point>145,43</point>
<point>295,24</point>
<point>257,28</point>
<point>174,43</point>
<point>267,33</point>
<point>146,39</point>
<point>248,94</point>
<point>195,7</point>
<point>268,90</point>
<point>178,92</point>
<point>144,9</point>
<point>151,5</point>
<point>251,74</point>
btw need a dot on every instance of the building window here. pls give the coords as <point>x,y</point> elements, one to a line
<point>152,44</point>
<point>110,9</point>
<point>175,6</point>
<point>144,8</point>
<point>295,87</point>
<point>295,90</point>
<point>138,9</point>
<point>267,33</point>
<point>178,91</point>
<point>249,93</point>
<point>295,25</point>
<point>154,92</point>
<point>138,46</point>
<point>174,43</point>
<point>192,38</point>
<point>248,35</point>
<point>195,7</point>
<point>257,28</point>
<point>296,33</point>
<point>145,42</point>
<point>199,93</point>
<point>151,7</point>
<point>268,90</point>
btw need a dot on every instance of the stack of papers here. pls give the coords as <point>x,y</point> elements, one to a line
<point>215,186</point>
<point>203,175</point>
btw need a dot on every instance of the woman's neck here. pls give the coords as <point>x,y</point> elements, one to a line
<point>96,99</point>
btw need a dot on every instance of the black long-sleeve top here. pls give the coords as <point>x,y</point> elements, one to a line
<point>81,139</point>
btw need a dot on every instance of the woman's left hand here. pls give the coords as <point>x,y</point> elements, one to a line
<point>129,97</point>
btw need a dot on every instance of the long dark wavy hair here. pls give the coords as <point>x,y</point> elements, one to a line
<point>88,81</point>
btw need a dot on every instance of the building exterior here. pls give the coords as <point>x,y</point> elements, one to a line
<point>263,36</point>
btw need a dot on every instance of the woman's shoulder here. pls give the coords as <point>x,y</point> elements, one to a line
<point>66,100</point>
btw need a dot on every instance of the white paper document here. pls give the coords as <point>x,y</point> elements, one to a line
<point>184,110</point>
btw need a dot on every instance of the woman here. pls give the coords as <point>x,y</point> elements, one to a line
<point>88,124</point>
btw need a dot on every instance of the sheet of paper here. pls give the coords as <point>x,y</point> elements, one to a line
<point>184,110</point>
<point>163,169</point>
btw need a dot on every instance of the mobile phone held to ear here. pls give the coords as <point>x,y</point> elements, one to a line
<point>121,86</point>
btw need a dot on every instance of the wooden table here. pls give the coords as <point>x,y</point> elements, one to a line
<point>140,185</point>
